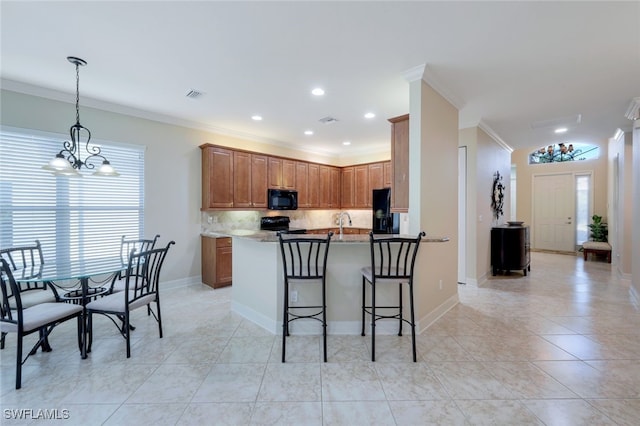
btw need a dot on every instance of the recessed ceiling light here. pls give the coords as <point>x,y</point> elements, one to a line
<point>308,132</point>
<point>256,117</point>
<point>317,91</point>
<point>346,143</point>
<point>369,115</point>
<point>561,130</point>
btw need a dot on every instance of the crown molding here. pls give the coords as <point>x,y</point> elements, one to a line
<point>56,95</point>
<point>493,135</point>
<point>423,72</point>
<point>633,112</point>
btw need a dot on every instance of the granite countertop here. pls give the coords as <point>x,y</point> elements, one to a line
<point>272,237</point>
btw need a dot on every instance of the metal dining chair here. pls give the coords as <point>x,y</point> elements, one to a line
<point>126,246</point>
<point>22,320</point>
<point>141,278</point>
<point>304,262</point>
<point>392,263</point>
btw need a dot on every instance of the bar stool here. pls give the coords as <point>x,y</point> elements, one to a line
<point>392,262</point>
<point>304,262</point>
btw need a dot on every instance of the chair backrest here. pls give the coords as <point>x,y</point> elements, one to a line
<point>25,256</point>
<point>304,258</point>
<point>393,257</point>
<point>143,272</point>
<point>10,295</point>
<point>137,245</point>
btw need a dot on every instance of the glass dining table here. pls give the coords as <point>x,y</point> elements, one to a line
<point>76,282</point>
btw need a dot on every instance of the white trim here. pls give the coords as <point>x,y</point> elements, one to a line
<point>430,78</point>
<point>255,317</point>
<point>489,131</point>
<point>437,313</point>
<point>181,282</point>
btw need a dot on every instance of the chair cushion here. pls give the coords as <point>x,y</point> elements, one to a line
<point>34,297</point>
<point>40,315</point>
<point>366,272</point>
<point>596,245</point>
<point>115,302</point>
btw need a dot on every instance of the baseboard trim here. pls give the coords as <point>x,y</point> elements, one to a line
<point>182,282</point>
<point>429,319</point>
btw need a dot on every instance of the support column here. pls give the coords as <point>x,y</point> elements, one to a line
<point>433,195</point>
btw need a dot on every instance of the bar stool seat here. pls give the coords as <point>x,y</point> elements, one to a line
<point>304,262</point>
<point>392,263</point>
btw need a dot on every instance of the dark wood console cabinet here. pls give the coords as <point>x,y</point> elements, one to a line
<point>510,249</point>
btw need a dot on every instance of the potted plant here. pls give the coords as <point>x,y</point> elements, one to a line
<point>598,229</point>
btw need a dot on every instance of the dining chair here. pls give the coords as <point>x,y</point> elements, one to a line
<point>126,246</point>
<point>28,256</point>
<point>304,263</point>
<point>392,262</point>
<point>141,278</point>
<point>22,320</point>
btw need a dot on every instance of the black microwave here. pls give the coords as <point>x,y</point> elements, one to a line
<point>282,199</point>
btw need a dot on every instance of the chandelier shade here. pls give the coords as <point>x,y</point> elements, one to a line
<point>69,161</point>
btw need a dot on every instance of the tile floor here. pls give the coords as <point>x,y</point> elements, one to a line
<point>559,347</point>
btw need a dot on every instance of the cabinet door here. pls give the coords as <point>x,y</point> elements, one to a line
<point>259,167</point>
<point>347,188</point>
<point>223,262</point>
<point>241,179</point>
<point>376,177</point>
<point>361,184</point>
<point>217,178</point>
<point>387,174</point>
<point>302,178</point>
<point>275,172</point>
<point>400,163</point>
<point>208,261</point>
<point>288,174</point>
<point>325,187</point>
<point>334,175</point>
<point>314,185</point>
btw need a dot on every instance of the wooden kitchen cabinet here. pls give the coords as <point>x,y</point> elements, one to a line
<point>387,175</point>
<point>282,173</point>
<point>302,184</point>
<point>249,180</point>
<point>216,261</point>
<point>347,188</point>
<point>400,163</point>
<point>361,184</point>
<point>313,184</point>
<point>217,177</point>
<point>329,187</point>
<point>376,179</point>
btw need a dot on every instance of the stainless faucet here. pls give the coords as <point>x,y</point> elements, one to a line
<point>340,216</point>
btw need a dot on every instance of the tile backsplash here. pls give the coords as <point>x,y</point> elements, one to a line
<point>307,219</point>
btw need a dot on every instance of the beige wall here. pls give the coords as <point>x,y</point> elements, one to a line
<point>433,197</point>
<point>525,173</point>
<point>620,202</point>
<point>485,157</point>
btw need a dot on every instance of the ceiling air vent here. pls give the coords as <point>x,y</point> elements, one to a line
<point>194,94</point>
<point>328,119</point>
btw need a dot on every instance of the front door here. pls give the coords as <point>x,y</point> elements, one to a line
<point>553,212</point>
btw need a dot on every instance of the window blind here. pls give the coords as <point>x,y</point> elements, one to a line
<point>74,218</point>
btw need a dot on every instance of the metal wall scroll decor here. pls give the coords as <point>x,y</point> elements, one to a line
<point>497,195</point>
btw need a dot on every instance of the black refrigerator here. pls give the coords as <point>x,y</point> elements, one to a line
<point>384,222</point>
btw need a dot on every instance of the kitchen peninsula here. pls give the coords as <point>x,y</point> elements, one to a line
<point>258,282</point>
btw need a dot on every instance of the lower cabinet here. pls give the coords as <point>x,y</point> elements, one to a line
<point>510,249</point>
<point>216,261</point>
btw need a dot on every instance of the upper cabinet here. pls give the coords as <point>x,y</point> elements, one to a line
<point>400,163</point>
<point>282,173</point>
<point>236,179</point>
<point>217,177</point>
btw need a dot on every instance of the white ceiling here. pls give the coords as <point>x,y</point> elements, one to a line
<point>505,65</point>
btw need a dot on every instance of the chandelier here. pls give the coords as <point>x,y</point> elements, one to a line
<point>69,161</point>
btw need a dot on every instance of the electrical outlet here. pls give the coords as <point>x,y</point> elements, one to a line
<point>209,220</point>
<point>215,219</point>
<point>293,296</point>
<point>440,284</point>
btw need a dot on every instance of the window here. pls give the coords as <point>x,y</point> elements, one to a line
<point>72,217</point>
<point>564,152</point>
<point>583,207</point>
